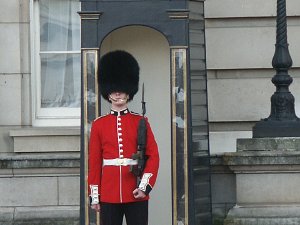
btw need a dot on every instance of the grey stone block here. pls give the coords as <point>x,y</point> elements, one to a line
<point>223,188</point>
<point>6,173</point>
<point>24,11</point>
<point>264,215</point>
<point>266,188</point>
<point>46,140</point>
<point>10,51</point>
<point>28,191</point>
<point>7,214</point>
<point>225,141</point>
<point>69,190</point>
<point>46,212</point>
<point>6,142</point>
<point>6,9</point>
<point>269,144</point>
<point>10,91</point>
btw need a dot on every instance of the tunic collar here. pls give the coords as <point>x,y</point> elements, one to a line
<point>119,113</point>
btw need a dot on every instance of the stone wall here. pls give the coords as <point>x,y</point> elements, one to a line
<point>240,44</point>
<point>39,189</point>
<point>14,68</point>
<point>35,188</point>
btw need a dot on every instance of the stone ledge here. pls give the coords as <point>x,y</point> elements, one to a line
<point>39,160</point>
<point>262,158</point>
<point>267,215</point>
<point>47,131</point>
<point>259,161</point>
<point>48,212</point>
<point>268,144</point>
<point>266,211</point>
<point>40,215</point>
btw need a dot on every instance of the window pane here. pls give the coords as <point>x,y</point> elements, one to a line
<point>60,80</point>
<point>59,25</point>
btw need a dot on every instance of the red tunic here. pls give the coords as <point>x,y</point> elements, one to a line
<point>114,136</point>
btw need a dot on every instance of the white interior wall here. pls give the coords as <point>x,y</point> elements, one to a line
<point>151,50</point>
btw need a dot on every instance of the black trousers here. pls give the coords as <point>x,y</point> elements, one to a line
<point>136,213</point>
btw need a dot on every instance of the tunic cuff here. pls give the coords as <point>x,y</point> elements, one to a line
<point>94,194</point>
<point>144,185</point>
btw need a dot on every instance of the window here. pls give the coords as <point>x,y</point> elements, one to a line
<point>55,32</point>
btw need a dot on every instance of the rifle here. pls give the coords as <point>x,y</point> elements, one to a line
<point>141,144</point>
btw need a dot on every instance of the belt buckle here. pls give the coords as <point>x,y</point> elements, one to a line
<point>121,161</point>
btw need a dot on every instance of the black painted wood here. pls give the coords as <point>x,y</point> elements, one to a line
<point>200,191</point>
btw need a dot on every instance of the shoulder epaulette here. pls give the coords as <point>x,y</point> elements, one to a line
<point>101,117</point>
<point>134,113</point>
<point>138,114</point>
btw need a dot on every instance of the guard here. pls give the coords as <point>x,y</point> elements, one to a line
<point>113,186</point>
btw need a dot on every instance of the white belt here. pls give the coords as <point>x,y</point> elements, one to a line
<point>119,162</point>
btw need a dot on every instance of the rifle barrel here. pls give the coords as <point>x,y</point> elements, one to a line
<point>143,101</point>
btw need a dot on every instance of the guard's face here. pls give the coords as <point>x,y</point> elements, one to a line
<point>118,99</point>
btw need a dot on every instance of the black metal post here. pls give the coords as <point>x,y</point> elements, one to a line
<point>282,121</point>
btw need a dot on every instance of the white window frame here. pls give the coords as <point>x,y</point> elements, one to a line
<point>45,116</point>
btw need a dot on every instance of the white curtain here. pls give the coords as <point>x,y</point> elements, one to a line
<point>60,65</point>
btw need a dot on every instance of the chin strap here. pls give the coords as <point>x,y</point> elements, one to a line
<point>119,100</point>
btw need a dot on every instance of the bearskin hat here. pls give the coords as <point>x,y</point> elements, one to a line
<point>118,71</point>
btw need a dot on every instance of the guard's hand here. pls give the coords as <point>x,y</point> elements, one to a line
<point>138,194</point>
<point>96,207</point>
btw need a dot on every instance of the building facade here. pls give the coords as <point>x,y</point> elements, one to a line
<point>229,47</point>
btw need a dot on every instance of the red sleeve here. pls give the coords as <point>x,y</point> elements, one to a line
<point>152,164</point>
<point>95,163</point>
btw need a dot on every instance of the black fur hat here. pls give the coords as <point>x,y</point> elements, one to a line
<point>118,71</point>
